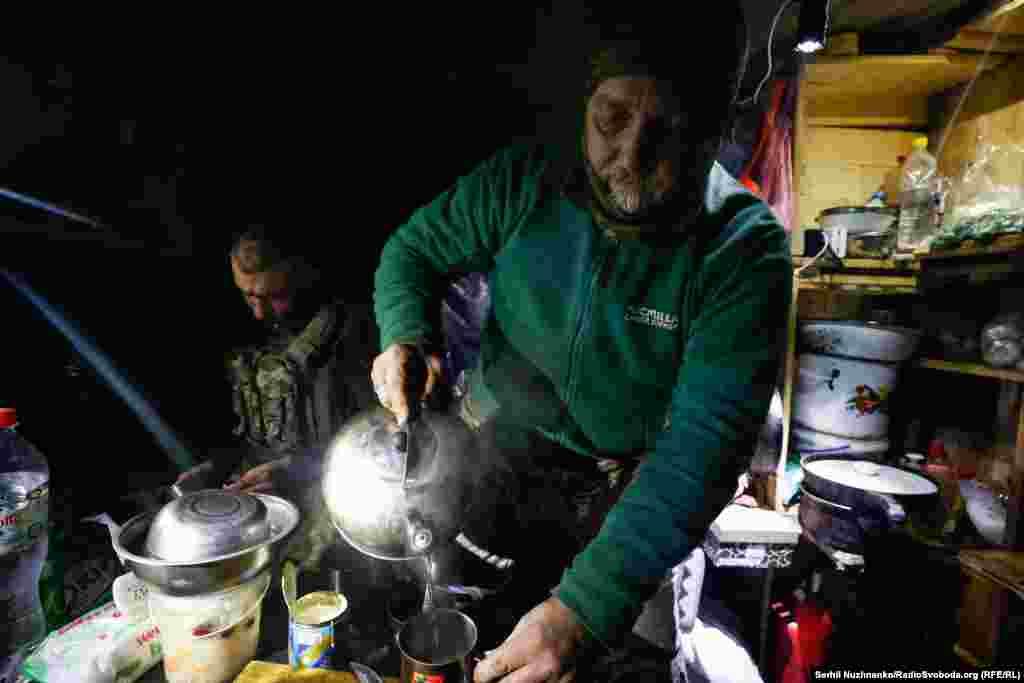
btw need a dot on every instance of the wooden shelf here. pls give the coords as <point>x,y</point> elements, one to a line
<point>903,75</point>
<point>1007,244</point>
<point>976,369</point>
<point>868,276</point>
<point>885,91</point>
<point>868,264</point>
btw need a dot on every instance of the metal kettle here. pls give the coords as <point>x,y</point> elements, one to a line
<point>396,492</point>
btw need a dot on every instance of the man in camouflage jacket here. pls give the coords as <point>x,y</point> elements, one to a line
<point>293,391</point>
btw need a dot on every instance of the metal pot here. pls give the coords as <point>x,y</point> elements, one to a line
<point>858,219</point>
<point>397,493</point>
<point>847,503</point>
<point>843,396</point>
<point>200,574</point>
<point>808,443</point>
<point>860,340</point>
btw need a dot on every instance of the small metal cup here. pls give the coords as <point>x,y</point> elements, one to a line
<point>437,647</point>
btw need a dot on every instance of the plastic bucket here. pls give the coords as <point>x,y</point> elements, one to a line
<point>209,638</point>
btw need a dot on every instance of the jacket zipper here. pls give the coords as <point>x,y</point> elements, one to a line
<point>604,268</point>
<point>584,320</point>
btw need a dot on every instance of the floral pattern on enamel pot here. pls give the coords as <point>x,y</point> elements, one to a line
<point>843,397</point>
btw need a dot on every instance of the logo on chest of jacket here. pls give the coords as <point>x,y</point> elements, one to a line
<point>652,318</point>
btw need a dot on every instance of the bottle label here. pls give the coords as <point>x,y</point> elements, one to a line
<point>23,517</point>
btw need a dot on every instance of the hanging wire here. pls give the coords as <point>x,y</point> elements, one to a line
<point>970,84</point>
<point>816,257</point>
<point>771,37</point>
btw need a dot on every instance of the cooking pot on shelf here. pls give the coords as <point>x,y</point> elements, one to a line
<point>859,219</point>
<point>859,231</point>
<point>398,493</point>
<point>843,396</point>
<point>807,443</point>
<point>860,340</point>
<point>846,504</point>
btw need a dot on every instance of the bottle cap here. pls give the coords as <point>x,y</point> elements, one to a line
<point>8,418</point>
<point>921,142</point>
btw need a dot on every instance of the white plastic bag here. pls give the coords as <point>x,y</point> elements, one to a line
<point>106,645</point>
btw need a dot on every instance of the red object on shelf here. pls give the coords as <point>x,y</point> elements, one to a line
<point>815,626</point>
<point>8,417</point>
<point>936,452</point>
<point>803,637</point>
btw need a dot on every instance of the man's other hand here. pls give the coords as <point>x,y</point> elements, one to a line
<point>259,479</point>
<point>543,647</point>
<point>402,377</point>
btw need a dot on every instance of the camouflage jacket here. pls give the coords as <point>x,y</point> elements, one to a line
<point>294,393</point>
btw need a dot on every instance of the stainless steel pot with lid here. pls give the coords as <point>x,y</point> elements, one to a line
<point>859,219</point>
<point>397,492</point>
<point>206,541</point>
<point>847,503</point>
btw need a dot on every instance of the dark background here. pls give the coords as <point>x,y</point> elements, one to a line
<point>175,130</point>
<point>176,135</point>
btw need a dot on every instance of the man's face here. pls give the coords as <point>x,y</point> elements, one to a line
<point>639,145</point>
<point>268,294</point>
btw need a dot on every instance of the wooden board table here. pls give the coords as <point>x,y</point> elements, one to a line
<point>268,672</point>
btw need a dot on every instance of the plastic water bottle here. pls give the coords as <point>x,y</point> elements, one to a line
<point>24,514</point>
<point>917,222</point>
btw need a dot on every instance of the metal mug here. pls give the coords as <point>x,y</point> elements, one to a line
<point>437,646</point>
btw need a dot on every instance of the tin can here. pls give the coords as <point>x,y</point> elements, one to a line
<point>311,630</point>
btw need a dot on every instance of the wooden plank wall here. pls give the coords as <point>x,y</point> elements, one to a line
<point>843,167</point>
<point>993,111</point>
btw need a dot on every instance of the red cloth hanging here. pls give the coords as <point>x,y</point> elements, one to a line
<point>769,173</point>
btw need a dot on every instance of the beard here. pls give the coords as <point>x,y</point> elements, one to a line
<point>636,198</point>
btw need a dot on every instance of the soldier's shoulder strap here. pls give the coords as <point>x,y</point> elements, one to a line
<point>317,339</point>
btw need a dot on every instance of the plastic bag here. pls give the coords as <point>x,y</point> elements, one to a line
<point>463,312</point>
<point>1002,341</point>
<point>105,645</point>
<point>987,200</point>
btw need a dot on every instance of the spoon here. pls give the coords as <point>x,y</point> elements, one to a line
<point>365,673</point>
<point>289,585</point>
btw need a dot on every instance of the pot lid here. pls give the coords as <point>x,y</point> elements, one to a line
<point>870,476</point>
<point>207,524</point>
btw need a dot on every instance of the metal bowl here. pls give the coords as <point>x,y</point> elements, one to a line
<point>860,340</point>
<point>205,524</point>
<point>858,219</point>
<point>212,573</point>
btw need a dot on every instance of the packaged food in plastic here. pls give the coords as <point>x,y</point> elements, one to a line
<point>105,645</point>
<point>1002,341</point>
<point>987,199</point>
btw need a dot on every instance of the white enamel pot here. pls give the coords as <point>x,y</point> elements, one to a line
<point>864,341</point>
<point>844,397</point>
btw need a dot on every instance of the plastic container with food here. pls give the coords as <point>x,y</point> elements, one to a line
<point>209,638</point>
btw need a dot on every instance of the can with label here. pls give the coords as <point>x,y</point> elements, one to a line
<point>311,630</point>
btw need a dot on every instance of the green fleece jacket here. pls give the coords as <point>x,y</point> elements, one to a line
<point>662,346</point>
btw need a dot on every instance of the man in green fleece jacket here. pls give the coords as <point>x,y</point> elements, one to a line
<point>638,299</point>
